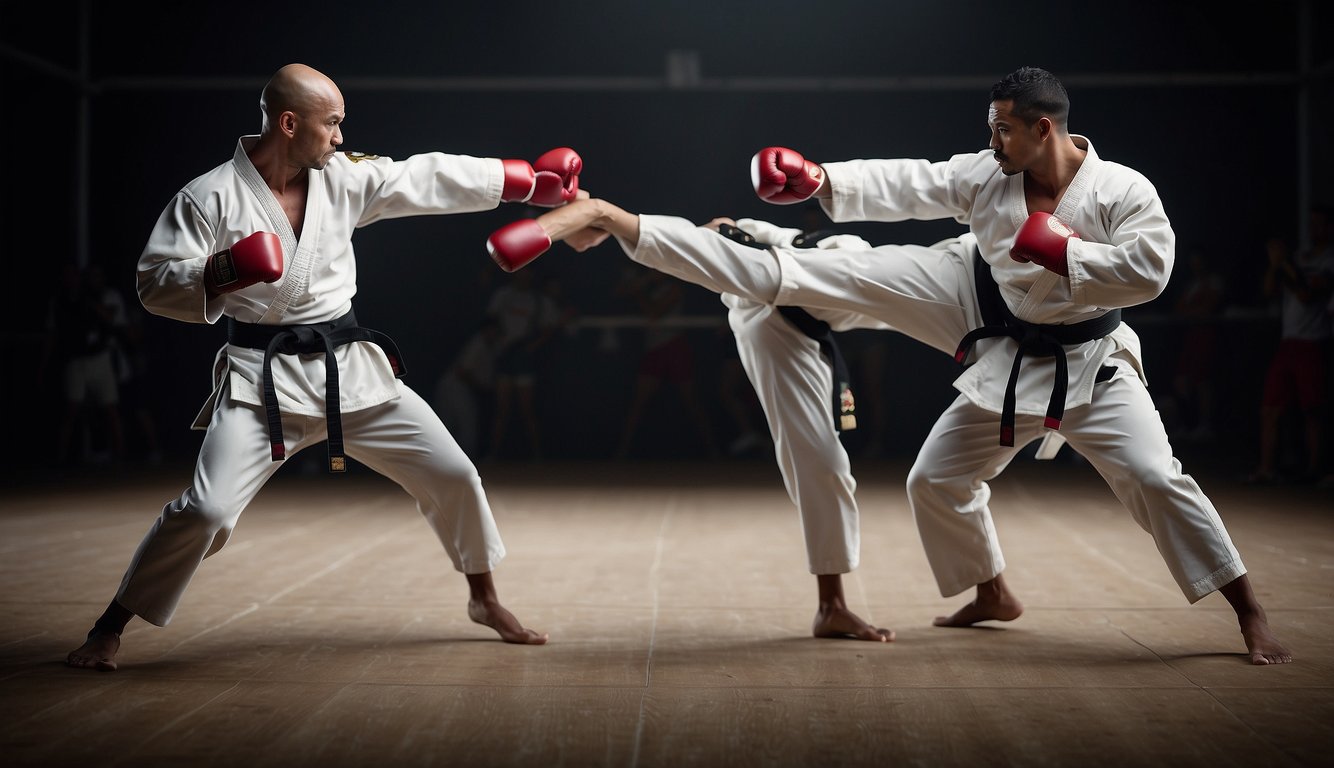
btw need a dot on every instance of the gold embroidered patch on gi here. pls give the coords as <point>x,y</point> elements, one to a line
<point>357,157</point>
<point>847,407</point>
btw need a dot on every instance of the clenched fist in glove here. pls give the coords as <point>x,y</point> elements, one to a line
<point>782,176</point>
<point>1042,239</point>
<point>255,258</point>
<point>552,180</point>
<point>518,243</point>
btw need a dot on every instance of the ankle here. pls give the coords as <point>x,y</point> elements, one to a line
<point>991,591</point>
<point>832,604</point>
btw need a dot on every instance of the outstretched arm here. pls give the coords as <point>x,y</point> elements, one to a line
<point>572,223</point>
<point>582,224</point>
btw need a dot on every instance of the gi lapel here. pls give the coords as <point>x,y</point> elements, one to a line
<point>298,256</point>
<point>297,277</point>
<point>1066,211</point>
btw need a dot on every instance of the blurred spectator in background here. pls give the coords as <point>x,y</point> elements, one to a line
<point>84,321</point>
<point>464,393</point>
<point>668,357</point>
<point>529,318</point>
<point>1301,286</point>
<point>1199,307</point>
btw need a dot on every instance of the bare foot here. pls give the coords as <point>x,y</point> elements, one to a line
<point>494,615</point>
<point>1261,643</point>
<point>975,611</point>
<point>832,617</point>
<point>833,620</point>
<point>992,603</point>
<point>98,652</point>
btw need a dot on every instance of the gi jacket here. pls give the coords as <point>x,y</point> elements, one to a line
<point>1124,256</point>
<point>319,278</point>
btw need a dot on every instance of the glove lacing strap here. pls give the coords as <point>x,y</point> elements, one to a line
<point>844,405</point>
<point>1033,339</point>
<point>309,339</point>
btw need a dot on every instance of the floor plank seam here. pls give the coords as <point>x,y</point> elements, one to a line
<point>654,573</point>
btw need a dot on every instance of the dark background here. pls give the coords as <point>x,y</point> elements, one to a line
<point>1203,102</point>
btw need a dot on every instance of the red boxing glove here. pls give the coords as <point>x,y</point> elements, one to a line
<point>518,182</point>
<point>1042,240</point>
<point>550,182</point>
<point>557,177</point>
<point>255,258</point>
<point>782,176</point>
<point>518,243</point>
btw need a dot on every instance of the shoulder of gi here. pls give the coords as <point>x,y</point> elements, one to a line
<point>380,187</point>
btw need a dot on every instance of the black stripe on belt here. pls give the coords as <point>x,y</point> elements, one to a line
<point>1034,339</point>
<point>313,338</point>
<point>844,405</point>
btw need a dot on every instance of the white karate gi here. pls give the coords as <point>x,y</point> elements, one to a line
<point>1124,258</point>
<point>387,426</point>
<point>794,383</point>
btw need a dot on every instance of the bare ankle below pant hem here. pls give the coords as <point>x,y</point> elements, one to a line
<point>1214,581</point>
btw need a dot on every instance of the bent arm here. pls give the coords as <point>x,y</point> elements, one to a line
<point>170,275</point>
<point>1134,266</point>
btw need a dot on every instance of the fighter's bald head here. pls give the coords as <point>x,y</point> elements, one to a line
<point>297,88</point>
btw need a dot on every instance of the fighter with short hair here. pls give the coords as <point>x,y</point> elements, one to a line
<point>1065,240</point>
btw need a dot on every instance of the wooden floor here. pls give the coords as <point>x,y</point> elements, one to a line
<point>331,631</point>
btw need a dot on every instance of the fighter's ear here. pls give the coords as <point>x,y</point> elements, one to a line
<point>1044,127</point>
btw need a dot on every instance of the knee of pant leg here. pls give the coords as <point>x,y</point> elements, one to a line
<point>203,512</point>
<point>1157,481</point>
<point>444,478</point>
<point>190,519</point>
<point>1149,479</point>
<point>463,474</point>
<point>920,482</point>
<point>928,487</point>
<point>818,455</point>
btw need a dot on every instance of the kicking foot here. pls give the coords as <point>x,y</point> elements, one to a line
<point>838,621</point>
<point>98,652</point>
<point>494,615</point>
<point>1261,643</point>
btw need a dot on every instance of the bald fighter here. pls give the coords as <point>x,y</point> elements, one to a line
<point>264,241</point>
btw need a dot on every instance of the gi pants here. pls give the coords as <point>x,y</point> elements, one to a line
<point>1121,435</point>
<point>793,381</point>
<point>930,295</point>
<point>402,439</point>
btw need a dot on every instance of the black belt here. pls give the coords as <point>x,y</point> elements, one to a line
<point>1033,339</point>
<point>844,405</point>
<point>307,339</point>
